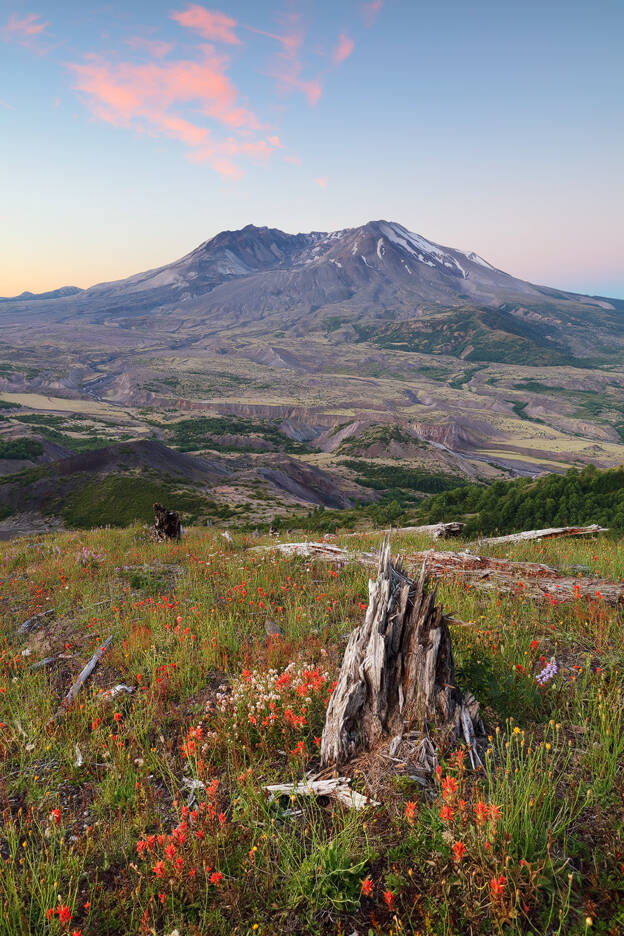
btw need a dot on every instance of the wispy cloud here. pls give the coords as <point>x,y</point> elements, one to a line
<point>371,10</point>
<point>170,98</point>
<point>322,181</point>
<point>287,66</point>
<point>344,49</point>
<point>157,48</point>
<point>25,31</point>
<point>210,24</point>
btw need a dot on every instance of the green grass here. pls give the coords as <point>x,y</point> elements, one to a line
<point>188,435</point>
<point>20,448</point>
<point>217,703</point>
<point>119,500</point>
<point>384,477</point>
<point>480,335</point>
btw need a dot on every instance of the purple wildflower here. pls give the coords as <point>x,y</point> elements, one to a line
<point>549,671</point>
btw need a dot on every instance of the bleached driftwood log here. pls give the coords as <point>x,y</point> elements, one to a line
<point>398,674</point>
<point>435,530</point>
<point>31,624</point>
<point>533,580</point>
<point>81,679</point>
<point>336,787</point>
<point>550,533</point>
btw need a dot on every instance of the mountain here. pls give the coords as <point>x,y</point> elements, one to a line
<point>61,293</point>
<point>378,283</point>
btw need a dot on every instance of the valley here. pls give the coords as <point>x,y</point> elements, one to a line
<point>289,358</point>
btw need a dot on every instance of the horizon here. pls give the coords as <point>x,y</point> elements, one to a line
<point>29,293</point>
<point>133,134</point>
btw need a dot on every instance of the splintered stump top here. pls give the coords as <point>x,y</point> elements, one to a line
<point>398,675</point>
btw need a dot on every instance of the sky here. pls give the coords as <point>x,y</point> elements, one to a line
<point>132,132</point>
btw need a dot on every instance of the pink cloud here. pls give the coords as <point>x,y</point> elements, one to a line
<point>293,160</point>
<point>287,67</point>
<point>322,181</point>
<point>371,10</point>
<point>24,31</point>
<point>344,49</point>
<point>210,24</point>
<point>289,80</point>
<point>153,98</point>
<point>290,42</point>
<point>219,154</point>
<point>276,142</point>
<point>157,48</point>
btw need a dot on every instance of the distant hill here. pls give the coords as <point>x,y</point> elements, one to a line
<point>118,484</point>
<point>61,293</point>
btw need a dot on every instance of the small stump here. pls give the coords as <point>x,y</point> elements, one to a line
<point>166,524</point>
<point>397,680</point>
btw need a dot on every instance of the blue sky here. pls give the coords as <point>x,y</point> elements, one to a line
<point>131,132</point>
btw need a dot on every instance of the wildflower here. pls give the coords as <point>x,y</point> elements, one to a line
<point>410,811</point>
<point>547,673</point>
<point>459,850</point>
<point>495,813</point>
<point>55,817</point>
<point>497,886</point>
<point>388,896</point>
<point>447,814</point>
<point>481,812</point>
<point>367,887</point>
<point>64,913</point>
<point>216,877</point>
<point>117,716</point>
<point>449,787</point>
<point>159,869</point>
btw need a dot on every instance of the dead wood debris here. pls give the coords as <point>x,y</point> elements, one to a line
<point>397,679</point>
<point>533,580</point>
<point>550,533</point>
<point>80,680</point>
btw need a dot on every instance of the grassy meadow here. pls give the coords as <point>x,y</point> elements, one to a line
<point>144,811</point>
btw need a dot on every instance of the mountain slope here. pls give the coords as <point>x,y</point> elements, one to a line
<point>263,280</point>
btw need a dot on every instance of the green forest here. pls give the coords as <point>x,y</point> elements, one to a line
<point>579,497</point>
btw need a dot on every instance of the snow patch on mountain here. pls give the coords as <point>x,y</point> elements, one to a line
<point>417,246</point>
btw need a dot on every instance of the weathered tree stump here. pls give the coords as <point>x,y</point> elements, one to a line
<point>166,524</point>
<point>397,680</point>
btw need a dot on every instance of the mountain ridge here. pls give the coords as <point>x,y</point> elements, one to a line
<point>354,282</point>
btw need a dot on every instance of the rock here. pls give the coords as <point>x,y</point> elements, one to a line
<point>273,629</point>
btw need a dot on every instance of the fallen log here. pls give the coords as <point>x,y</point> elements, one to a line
<point>397,677</point>
<point>31,624</point>
<point>80,680</point>
<point>533,580</point>
<point>334,787</point>
<point>435,530</point>
<point>550,533</point>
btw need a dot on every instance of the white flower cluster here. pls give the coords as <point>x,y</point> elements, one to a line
<point>256,695</point>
